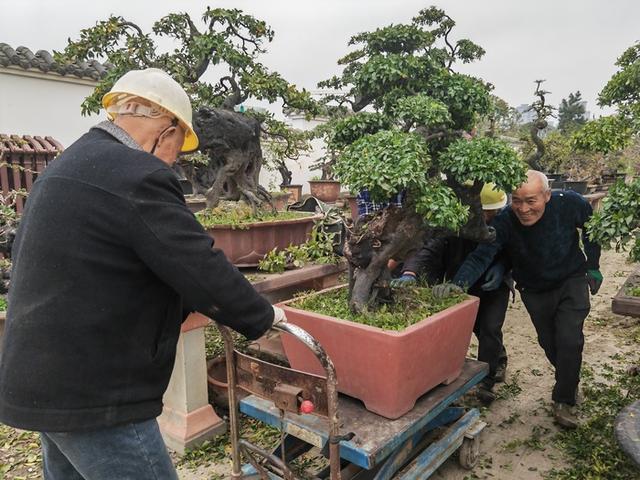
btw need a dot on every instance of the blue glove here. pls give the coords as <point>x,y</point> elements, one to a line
<point>404,280</point>
<point>493,277</point>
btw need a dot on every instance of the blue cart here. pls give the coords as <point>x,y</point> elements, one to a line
<point>360,445</point>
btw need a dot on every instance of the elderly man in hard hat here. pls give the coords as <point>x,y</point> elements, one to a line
<point>107,263</point>
<point>439,260</point>
<point>539,233</point>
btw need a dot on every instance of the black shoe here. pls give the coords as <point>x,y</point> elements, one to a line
<point>501,372</point>
<point>565,415</point>
<point>485,394</point>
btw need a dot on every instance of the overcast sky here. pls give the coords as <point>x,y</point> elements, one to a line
<point>573,44</point>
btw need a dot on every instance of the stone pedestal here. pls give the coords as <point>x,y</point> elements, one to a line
<point>188,419</point>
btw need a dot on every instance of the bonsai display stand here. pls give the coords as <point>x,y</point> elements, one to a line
<point>188,419</point>
<point>595,199</point>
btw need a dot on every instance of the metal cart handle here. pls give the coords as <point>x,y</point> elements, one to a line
<point>332,395</point>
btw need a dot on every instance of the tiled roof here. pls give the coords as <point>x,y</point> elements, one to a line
<point>43,61</point>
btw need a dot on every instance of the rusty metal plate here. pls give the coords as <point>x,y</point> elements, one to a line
<point>272,382</point>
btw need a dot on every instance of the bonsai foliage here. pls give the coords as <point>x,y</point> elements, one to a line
<point>412,134</point>
<point>231,42</point>
<point>618,222</point>
<point>571,113</point>
<point>622,91</point>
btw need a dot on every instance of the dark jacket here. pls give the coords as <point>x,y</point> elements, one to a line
<point>544,254</point>
<point>440,258</point>
<point>106,260</point>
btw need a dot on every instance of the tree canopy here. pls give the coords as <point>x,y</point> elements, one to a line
<point>571,113</point>
<point>409,115</point>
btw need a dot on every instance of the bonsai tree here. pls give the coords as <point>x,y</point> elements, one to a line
<point>543,111</point>
<point>618,222</point>
<point>229,41</point>
<point>409,114</point>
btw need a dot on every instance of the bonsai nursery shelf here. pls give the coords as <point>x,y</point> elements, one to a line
<point>624,304</point>
<point>387,370</point>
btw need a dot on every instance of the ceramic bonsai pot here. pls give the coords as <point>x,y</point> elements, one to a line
<point>217,382</point>
<point>578,187</point>
<point>325,190</point>
<point>294,190</point>
<point>280,200</point>
<point>624,303</point>
<point>247,244</point>
<point>387,370</point>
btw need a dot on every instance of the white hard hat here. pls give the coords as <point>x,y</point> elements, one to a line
<point>157,87</point>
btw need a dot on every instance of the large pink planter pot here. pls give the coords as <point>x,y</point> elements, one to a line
<point>387,370</point>
<point>246,246</point>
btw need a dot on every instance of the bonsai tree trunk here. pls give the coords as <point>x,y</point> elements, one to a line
<point>392,233</point>
<point>285,174</point>
<point>231,140</point>
<point>395,232</point>
<point>534,159</point>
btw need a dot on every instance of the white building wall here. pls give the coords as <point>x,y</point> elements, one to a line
<point>33,103</point>
<point>301,169</point>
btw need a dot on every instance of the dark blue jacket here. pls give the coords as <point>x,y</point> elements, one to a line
<point>542,255</point>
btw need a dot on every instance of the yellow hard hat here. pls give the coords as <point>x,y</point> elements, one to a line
<point>157,87</point>
<point>492,198</point>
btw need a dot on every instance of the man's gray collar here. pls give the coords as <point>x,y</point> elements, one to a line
<point>119,134</point>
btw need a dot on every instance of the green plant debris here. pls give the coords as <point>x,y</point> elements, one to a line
<point>633,290</point>
<point>219,448</point>
<point>410,306</point>
<point>592,448</point>
<point>511,389</point>
<point>3,303</point>
<point>239,215</point>
<point>20,455</point>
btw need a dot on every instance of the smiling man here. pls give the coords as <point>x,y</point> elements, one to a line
<point>539,234</point>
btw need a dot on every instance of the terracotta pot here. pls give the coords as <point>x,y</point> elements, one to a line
<point>217,382</point>
<point>246,246</point>
<point>195,204</point>
<point>280,200</point>
<point>353,206</point>
<point>387,370</point>
<point>325,190</point>
<point>295,190</point>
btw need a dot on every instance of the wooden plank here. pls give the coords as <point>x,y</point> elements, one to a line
<point>425,464</point>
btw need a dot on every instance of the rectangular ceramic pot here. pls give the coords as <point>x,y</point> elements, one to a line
<point>624,304</point>
<point>246,245</point>
<point>387,370</point>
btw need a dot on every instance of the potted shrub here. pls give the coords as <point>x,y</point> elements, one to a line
<point>230,157</point>
<point>406,132</point>
<point>246,237</point>
<point>617,224</point>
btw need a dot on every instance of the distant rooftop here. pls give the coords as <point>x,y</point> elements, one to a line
<point>43,61</point>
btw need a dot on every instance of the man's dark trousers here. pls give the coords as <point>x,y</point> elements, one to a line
<point>558,316</point>
<point>488,328</point>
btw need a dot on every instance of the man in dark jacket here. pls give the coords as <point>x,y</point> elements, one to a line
<point>107,263</point>
<point>439,260</point>
<point>539,233</point>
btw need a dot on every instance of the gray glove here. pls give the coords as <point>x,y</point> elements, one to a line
<point>493,277</point>
<point>444,290</point>
<point>404,280</point>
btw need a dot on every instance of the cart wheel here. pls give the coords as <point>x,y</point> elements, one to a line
<point>469,453</point>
